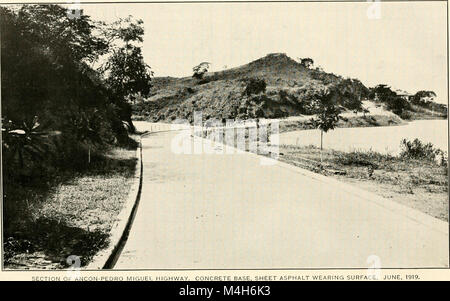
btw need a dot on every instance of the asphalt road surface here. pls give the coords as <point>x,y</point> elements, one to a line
<point>229,211</point>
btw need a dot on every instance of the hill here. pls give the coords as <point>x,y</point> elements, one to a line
<point>221,94</point>
<point>289,87</point>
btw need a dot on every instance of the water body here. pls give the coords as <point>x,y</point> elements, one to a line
<point>385,139</point>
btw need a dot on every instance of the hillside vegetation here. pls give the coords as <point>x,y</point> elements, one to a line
<point>67,157</point>
<point>288,88</point>
<point>58,111</point>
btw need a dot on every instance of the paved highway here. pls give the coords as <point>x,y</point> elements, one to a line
<point>216,211</point>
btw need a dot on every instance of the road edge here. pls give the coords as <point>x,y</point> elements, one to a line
<point>411,213</point>
<point>119,231</point>
<point>414,214</point>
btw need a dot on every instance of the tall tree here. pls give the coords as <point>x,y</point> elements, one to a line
<point>125,70</point>
<point>392,101</point>
<point>423,97</point>
<point>46,76</point>
<point>128,74</point>
<point>66,38</point>
<point>351,92</point>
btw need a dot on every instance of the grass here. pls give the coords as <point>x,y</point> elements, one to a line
<point>417,183</point>
<point>71,214</point>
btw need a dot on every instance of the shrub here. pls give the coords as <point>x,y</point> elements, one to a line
<point>406,115</point>
<point>255,86</point>
<point>203,81</point>
<point>416,149</point>
<point>359,158</point>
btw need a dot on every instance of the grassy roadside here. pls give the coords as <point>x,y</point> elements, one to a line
<point>417,183</point>
<point>71,214</point>
<point>421,184</point>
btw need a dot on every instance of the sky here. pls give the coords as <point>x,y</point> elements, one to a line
<point>402,44</point>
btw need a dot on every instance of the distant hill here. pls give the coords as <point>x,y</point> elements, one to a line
<point>221,95</point>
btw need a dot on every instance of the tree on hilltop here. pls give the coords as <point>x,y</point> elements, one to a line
<point>200,70</point>
<point>306,62</point>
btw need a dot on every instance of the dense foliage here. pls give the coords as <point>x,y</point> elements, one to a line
<point>422,97</point>
<point>425,99</point>
<point>254,86</point>
<point>416,149</point>
<point>393,102</point>
<point>56,108</point>
<point>273,86</point>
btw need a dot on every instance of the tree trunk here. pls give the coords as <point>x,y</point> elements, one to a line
<point>124,67</point>
<point>321,138</point>
<point>21,158</point>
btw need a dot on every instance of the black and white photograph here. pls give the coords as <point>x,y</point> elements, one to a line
<point>224,136</point>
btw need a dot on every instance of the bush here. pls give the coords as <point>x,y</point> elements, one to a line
<point>406,115</point>
<point>397,105</point>
<point>203,81</point>
<point>360,158</point>
<point>254,86</point>
<point>325,78</point>
<point>416,149</point>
